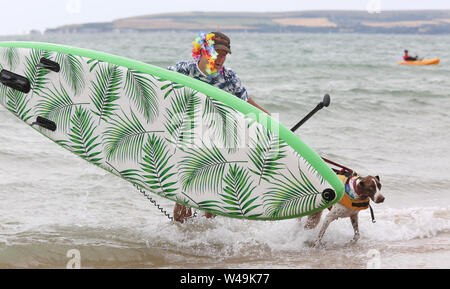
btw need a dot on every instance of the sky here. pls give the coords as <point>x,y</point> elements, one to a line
<point>21,16</point>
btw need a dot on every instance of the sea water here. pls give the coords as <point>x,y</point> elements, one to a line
<point>384,119</point>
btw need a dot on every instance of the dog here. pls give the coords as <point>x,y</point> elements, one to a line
<point>358,193</point>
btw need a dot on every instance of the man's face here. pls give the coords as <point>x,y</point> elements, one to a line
<point>220,58</point>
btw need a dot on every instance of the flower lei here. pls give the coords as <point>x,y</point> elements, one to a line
<point>204,44</point>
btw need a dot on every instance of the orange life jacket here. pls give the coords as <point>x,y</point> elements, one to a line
<point>350,202</point>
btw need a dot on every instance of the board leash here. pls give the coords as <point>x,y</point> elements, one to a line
<point>154,202</point>
<point>163,211</point>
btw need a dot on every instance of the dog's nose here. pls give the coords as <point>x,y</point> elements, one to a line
<point>379,199</point>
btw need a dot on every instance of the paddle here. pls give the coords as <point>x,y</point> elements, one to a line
<point>324,103</point>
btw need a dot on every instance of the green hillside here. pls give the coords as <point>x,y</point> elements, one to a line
<point>421,22</point>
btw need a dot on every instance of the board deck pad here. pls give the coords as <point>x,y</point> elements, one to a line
<point>168,134</point>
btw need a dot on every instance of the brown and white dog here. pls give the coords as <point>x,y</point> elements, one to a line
<point>358,193</point>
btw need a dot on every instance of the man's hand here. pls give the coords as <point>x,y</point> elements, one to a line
<point>252,102</point>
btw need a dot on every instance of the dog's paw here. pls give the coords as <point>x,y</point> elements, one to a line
<point>317,244</point>
<point>354,240</point>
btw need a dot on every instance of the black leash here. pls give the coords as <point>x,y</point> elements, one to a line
<point>372,214</point>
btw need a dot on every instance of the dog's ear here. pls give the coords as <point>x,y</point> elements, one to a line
<point>377,177</point>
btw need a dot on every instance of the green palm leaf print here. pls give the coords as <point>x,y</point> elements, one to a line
<point>57,106</point>
<point>181,117</point>
<point>3,90</point>
<point>170,87</point>
<point>34,73</point>
<point>3,94</point>
<point>93,64</point>
<point>72,71</point>
<point>125,138</point>
<point>82,137</point>
<point>17,104</point>
<point>105,90</point>
<point>11,56</point>
<point>290,196</point>
<point>141,90</point>
<point>156,166</point>
<point>131,175</point>
<point>266,151</point>
<point>222,120</point>
<point>212,206</point>
<point>237,193</point>
<point>203,168</point>
<point>312,170</point>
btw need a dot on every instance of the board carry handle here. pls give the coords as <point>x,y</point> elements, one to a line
<point>15,81</point>
<point>49,64</point>
<point>45,123</point>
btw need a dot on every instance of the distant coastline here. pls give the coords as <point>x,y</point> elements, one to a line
<point>403,22</point>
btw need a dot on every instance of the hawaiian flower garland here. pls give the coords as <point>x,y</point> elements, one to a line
<point>204,44</point>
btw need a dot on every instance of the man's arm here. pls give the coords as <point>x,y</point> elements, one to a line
<point>252,102</point>
<point>180,67</point>
<point>241,92</point>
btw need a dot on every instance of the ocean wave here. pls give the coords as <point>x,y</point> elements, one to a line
<point>159,242</point>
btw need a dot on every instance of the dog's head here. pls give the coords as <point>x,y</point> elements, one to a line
<point>370,187</point>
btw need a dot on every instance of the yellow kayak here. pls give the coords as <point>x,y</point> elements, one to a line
<point>433,61</point>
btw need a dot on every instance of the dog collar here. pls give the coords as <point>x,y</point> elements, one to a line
<point>355,186</point>
<point>350,187</point>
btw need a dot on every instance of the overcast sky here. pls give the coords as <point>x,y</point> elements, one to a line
<point>20,16</point>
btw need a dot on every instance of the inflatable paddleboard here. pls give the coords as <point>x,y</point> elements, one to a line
<point>164,132</point>
<point>433,61</point>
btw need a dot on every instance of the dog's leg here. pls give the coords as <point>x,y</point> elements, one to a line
<point>332,215</point>
<point>354,220</point>
<point>313,220</point>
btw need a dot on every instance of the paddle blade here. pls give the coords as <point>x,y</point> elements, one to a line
<point>326,100</point>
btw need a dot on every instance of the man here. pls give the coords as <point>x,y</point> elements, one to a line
<point>210,53</point>
<point>406,57</point>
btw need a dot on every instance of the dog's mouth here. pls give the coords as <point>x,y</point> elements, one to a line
<point>378,198</point>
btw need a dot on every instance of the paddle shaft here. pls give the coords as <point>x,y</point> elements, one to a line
<point>308,116</point>
<point>322,104</point>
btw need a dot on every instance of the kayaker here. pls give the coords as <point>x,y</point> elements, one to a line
<point>406,57</point>
<point>210,52</point>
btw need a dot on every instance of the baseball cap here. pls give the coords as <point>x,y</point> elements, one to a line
<point>221,41</point>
